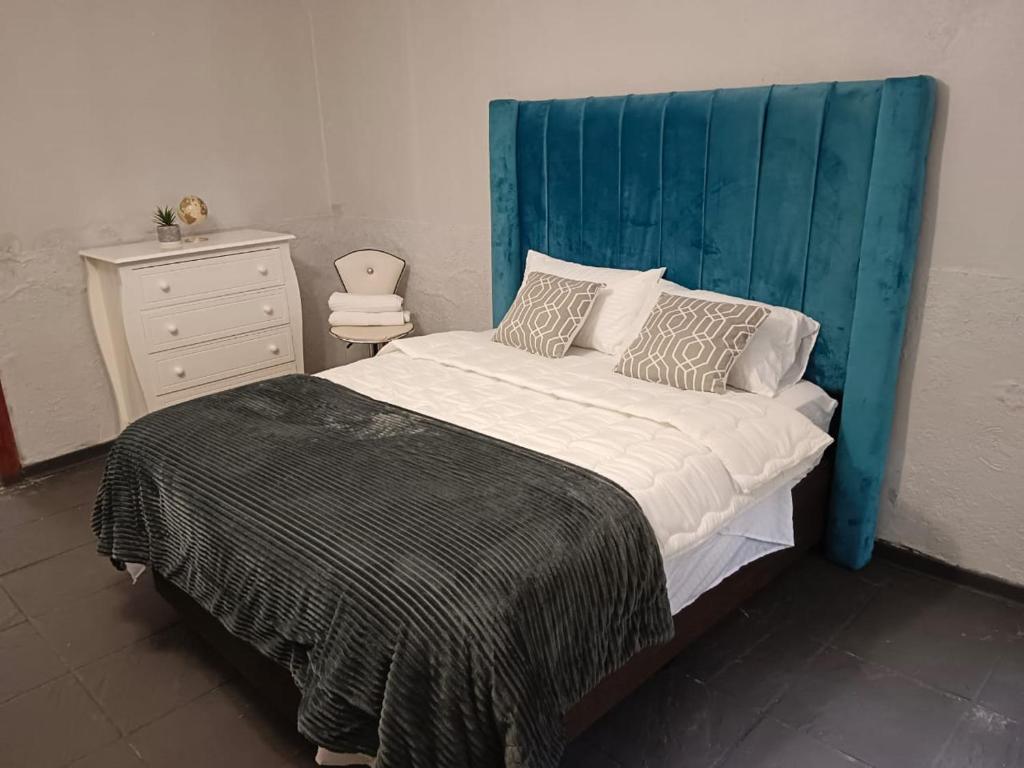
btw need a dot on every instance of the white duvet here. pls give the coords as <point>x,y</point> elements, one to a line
<point>693,461</point>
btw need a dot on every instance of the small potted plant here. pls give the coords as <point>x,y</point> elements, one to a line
<point>167,231</point>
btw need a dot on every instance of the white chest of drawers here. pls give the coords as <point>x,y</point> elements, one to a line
<point>173,325</point>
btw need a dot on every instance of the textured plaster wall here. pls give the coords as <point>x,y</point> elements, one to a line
<point>364,122</point>
<point>386,141</point>
<point>405,85</point>
<point>108,108</point>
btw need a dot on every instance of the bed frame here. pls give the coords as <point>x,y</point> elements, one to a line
<point>805,196</point>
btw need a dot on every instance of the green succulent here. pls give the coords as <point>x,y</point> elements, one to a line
<point>164,217</point>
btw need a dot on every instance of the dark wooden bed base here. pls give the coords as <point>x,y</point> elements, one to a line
<point>810,502</point>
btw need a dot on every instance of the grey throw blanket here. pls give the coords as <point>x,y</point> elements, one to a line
<point>440,597</point>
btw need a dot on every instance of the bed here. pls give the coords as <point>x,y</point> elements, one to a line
<point>800,196</point>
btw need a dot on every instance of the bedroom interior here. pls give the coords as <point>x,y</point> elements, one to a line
<point>700,447</point>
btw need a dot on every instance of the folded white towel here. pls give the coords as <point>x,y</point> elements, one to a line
<point>368,318</point>
<point>365,302</point>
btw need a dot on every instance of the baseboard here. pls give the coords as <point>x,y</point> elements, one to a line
<point>65,460</point>
<point>919,561</point>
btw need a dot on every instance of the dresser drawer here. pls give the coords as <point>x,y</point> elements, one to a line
<point>181,369</point>
<point>207,277</point>
<point>230,383</point>
<point>175,326</point>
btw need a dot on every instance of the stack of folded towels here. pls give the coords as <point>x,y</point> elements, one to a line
<point>366,309</point>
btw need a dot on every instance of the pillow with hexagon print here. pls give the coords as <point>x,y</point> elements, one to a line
<point>547,314</point>
<point>691,343</point>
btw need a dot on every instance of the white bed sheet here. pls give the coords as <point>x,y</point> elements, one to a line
<point>693,461</point>
<point>810,400</point>
<point>764,528</point>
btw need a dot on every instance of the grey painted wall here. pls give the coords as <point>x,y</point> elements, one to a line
<point>364,122</point>
<point>114,106</point>
<point>109,108</point>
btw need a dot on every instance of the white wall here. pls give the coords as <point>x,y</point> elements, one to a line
<point>399,160</point>
<point>108,108</point>
<point>405,90</point>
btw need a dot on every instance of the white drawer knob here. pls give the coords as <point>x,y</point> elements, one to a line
<point>172,329</point>
<point>267,309</point>
<point>164,286</point>
<point>179,371</point>
<point>274,349</point>
<point>262,269</point>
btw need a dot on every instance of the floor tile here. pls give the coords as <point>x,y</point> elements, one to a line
<point>117,755</point>
<point>940,633</point>
<point>581,754</point>
<point>815,596</point>
<point>879,571</point>
<point>9,613</point>
<point>872,713</point>
<point>105,621</point>
<point>29,543</point>
<point>1004,690</point>
<point>671,718</point>
<point>759,677</point>
<point>51,726</point>
<point>984,739</point>
<point>732,638</point>
<point>42,497</point>
<point>218,729</point>
<point>151,677</point>
<point>26,661</point>
<point>61,579</point>
<point>774,745</point>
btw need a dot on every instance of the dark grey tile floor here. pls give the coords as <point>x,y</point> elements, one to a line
<point>827,668</point>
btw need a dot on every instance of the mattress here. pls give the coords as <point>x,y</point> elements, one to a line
<point>695,462</point>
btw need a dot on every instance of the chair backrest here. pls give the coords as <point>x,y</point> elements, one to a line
<point>369,271</point>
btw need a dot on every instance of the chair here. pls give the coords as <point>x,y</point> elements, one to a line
<point>370,271</point>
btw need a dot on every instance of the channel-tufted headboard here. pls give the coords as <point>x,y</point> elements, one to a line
<point>807,196</point>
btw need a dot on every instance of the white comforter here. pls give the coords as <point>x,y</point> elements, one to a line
<point>693,461</point>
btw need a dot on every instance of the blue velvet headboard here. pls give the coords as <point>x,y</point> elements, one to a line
<point>806,196</point>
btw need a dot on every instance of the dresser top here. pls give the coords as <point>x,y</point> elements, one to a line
<point>149,250</point>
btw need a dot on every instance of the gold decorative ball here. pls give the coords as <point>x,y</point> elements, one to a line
<point>192,209</point>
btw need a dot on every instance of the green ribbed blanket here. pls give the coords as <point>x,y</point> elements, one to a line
<point>440,597</point>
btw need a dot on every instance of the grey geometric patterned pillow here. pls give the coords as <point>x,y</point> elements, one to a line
<point>691,343</point>
<point>547,314</point>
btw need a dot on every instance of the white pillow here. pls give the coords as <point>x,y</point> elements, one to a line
<point>627,292</point>
<point>777,354</point>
